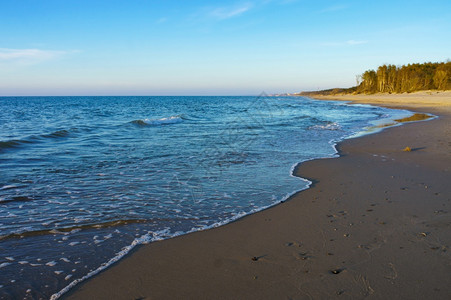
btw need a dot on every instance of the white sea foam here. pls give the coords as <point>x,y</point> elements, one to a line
<point>35,265</point>
<point>4,264</point>
<point>145,238</point>
<point>7,187</point>
<point>328,126</point>
<point>161,121</point>
<point>170,120</point>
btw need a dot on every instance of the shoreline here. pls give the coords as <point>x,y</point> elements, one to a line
<point>415,100</point>
<point>245,258</point>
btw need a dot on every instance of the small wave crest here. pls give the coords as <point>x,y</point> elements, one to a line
<point>56,134</point>
<point>162,121</point>
<point>13,144</point>
<point>15,198</point>
<point>16,143</point>
<point>64,230</point>
<point>69,229</point>
<point>327,126</point>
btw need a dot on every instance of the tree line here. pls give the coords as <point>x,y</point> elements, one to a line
<point>405,78</point>
<point>397,79</point>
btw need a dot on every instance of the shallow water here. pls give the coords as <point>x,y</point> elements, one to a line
<point>82,178</point>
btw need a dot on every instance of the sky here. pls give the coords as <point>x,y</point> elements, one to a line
<point>140,47</point>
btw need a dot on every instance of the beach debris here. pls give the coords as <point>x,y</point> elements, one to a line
<point>303,256</point>
<point>424,234</point>
<point>336,271</point>
<point>407,149</point>
<point>363,247</point>
<point>393,273</point>
<point>346,235</point>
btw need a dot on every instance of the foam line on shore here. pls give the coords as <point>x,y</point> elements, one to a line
<point>163,234</point>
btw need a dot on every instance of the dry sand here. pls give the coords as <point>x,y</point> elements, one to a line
<point>376,224</point>
<point>433,99</point>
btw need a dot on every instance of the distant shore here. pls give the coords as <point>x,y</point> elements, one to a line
<point>424,99</point>
<point>374,224</point>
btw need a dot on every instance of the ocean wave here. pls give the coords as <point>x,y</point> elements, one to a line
<point>16,143</point>
<point>56,134</point>
<point>162,121</point>
<point>15,198</point>
<point>13,144</point>
<point>70,229</point>
<point>165,233</point>
<point>66,230</point>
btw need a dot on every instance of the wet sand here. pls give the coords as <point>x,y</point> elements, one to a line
<point>375,224</point>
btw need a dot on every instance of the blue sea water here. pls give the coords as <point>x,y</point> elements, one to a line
<point>85,179</point>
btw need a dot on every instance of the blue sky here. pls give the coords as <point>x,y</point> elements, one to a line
<point>76,47</point>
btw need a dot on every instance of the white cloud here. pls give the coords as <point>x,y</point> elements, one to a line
<point>28,54</point>
<point>222,13</point>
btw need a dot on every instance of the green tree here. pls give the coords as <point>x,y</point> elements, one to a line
<point>441,77</point>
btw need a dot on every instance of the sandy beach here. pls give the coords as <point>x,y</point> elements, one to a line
<point>423,99</point>
<point>375,224</point>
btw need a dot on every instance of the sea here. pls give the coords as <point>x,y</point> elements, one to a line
<point>84,180</point>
